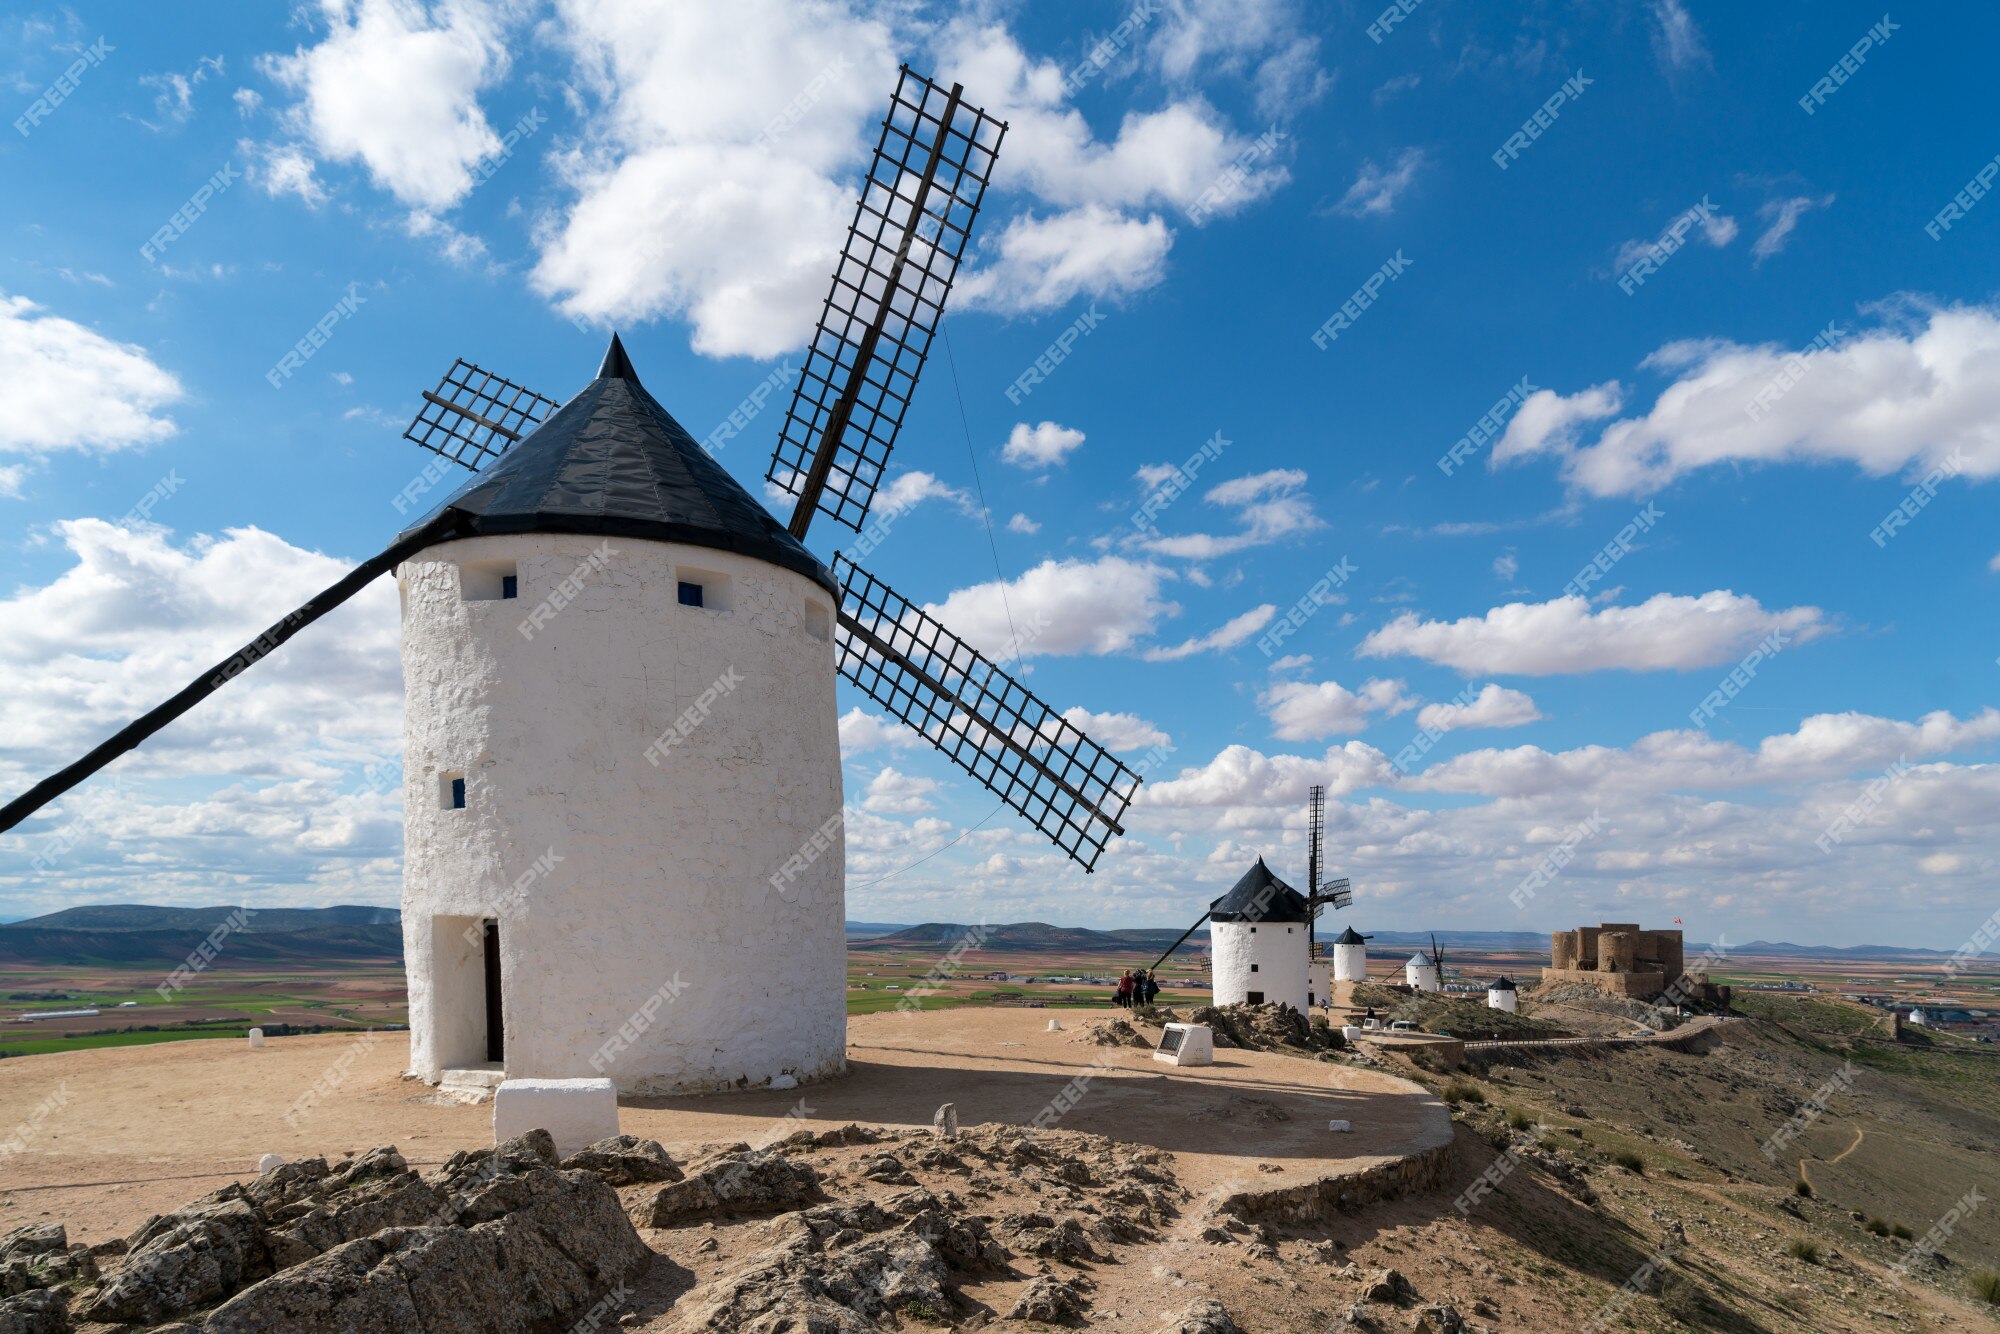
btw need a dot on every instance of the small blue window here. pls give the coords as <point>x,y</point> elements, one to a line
<point>690,594</point>
<point>458,794</point>
<point>510,586</point>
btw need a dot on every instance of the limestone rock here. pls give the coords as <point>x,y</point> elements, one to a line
<point>747,1182</point>
<point>1204,1317</point>
<point>42,1311</point>
<point>33,1239</point>
<point>1384,1285</point>
<point>187,1260</point>
<point>624,1160</point>
<point>1049,1300</point>
<point>1439,1319</point>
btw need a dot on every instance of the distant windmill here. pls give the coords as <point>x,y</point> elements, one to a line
<point>667,596</point>
<point>1425,971</point>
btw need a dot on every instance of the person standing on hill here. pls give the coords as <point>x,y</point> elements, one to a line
<point>1125,990</point>
<point>1151,985</point>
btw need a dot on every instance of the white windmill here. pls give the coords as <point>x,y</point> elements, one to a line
<point>622,766</point>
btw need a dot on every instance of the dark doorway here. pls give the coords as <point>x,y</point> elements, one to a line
<point>496,1049</point>
<point>1256,998</point>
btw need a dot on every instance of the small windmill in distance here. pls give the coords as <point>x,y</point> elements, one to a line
<point>1425,971</point>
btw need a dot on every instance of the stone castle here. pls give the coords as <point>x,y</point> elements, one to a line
<point>1617,958</point>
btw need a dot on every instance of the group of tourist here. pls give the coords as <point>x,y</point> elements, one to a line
<point>1136,989</point>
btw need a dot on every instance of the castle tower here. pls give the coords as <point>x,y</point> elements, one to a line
<point>623,852</point>
<point>1257,934</point>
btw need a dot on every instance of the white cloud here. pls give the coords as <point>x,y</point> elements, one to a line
<point>1294,661</point>
<point>395,86</point>
<point>70,387</point>
<point>893,792</point>
<point>1045,445</point>
<point>1117,731</point>
<point>173,92</point>
<point>1266,42</point>
<point>284,169</point>
<point>1506,566</point>
<point>1044,263</point>
<point>1304,711</point>
<point>1665,632</point>
<point>248,101</point>
<point>1908,394</point>
<point>1270,506</point>
<point>1494,706</point>
<point>1023,525</point>
<point>1375,189</point>
<point>1225,636</point>
<point>1781,217</point>
<point>861,730</point>
<point>1677,40</point>
<point>911,489</point>
<point>1717,229</point>
<point>1061,607</point>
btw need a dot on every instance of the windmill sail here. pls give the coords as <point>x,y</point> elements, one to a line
<point>911,226</point>
<point>985,721</point>
<point>473,415</point>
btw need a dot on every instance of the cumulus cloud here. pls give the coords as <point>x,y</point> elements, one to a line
<point>1269,506</point>
<point>1303,711</point>
<point>1225,636</point>
<point>1376,189</point>
<point>1907,394</point>
<point>861,730</point>
<point>1117,731</point>
<point>893,792</point>
<point>70,387</point>
<point>284,169</point>
<point>913,488</point>
<point>1493,706</point>
<point>1044,262</point>
<point>1044,445</point>
<point>395,87</point>
<point>1061,607</point>
<point>1023,525</point>
<point>1667,631</point>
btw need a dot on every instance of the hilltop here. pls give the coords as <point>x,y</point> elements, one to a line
<point>1024,937</point>
<point>111,935</point>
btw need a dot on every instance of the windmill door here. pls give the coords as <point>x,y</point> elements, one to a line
<point>495,1039</point>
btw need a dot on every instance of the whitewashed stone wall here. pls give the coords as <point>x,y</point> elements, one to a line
<point>1277,948</point>
<point>641,935</point>
<point>1350,963</point>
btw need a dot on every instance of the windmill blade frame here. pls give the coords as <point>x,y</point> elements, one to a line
<point>911,225</point>
<point>474,415</point>
<point>990,725</point>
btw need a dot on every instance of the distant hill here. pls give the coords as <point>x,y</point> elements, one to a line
<point>869,930</point>
<point>1026,937</point>
<point>137,935</point>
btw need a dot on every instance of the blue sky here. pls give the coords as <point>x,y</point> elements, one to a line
<point>1702,294</point>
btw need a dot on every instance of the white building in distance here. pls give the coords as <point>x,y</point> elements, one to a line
<point>623,851</point>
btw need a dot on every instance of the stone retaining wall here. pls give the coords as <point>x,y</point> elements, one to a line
<point>1426,1169</point>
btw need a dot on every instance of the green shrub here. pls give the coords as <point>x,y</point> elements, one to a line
<point>1520,1121</point>
<point>1802,1188</point>
<point>1801,1249</point>
<point>1986,1286</point>
<point>1903,1233</point>
<point>1631,1162</point>
<point>1455,1093</point>
<point>1877,1226</point>
<point>1681,1299</point>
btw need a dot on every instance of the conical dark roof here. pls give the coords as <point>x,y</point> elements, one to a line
<point>1504,984</point>
<point>1350,937</point>
<point>612,462</point>
<point>1260,897</point>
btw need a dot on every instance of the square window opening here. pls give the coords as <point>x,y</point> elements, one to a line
<point>705,589</point>
<point>489,580</point>
<point>1253,967</point>
<point>1255,997</point>
<point>451,791</point>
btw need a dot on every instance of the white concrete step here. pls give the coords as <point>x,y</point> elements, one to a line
<point>472,1083</point>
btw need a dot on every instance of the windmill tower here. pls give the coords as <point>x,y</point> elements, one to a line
<point>1425,971</point>
<point>1501,995</point>
<point>1257,933</point>
<point>1350,956</point>
<point>623,794</point>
